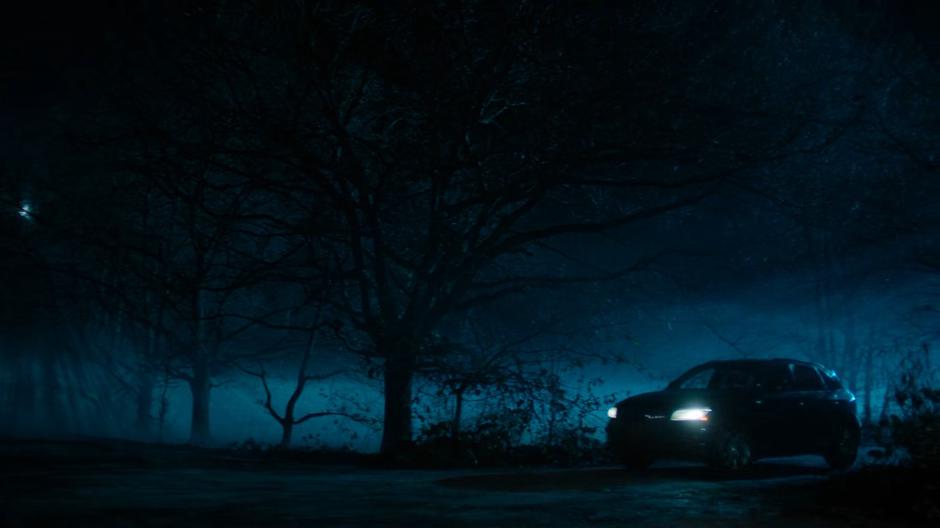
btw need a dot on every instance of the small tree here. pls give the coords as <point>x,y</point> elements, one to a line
<point>917,397</point>
<point>512,377</point>
<point>288,418</point>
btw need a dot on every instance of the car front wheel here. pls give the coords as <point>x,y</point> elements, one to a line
<point>731,450</point>
<point>844,450</point>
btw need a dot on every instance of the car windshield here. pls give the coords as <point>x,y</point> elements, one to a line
<point>722,377</point>
<point>695,379</point>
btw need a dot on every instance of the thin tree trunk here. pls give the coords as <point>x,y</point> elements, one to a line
<point>288,421</point>
<point>928,368</point>
<point>458,416</point>
<point>146,385</point>
<point>200,383</point>
<point>164,403</point>
<point>144,403</point>
<point>818,277</point>
<point>850,352</point>
<point>399,374</point>
<point>287,433</point>
<point>51,395</point>
<point>883,417</point>
<point>25,395</point>
<point>200,386</point>
<point>869,381</point>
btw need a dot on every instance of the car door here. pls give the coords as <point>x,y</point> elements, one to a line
<point>776,412</point>
<point>809,391</point>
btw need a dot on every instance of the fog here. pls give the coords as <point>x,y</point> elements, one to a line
<point>183,227</point>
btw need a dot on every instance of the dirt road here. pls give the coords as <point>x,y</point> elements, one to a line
<point>122,491</point>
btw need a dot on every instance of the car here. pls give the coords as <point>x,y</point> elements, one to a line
<point>730,413</point>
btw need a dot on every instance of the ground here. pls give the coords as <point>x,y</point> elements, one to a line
<point>117,484</point>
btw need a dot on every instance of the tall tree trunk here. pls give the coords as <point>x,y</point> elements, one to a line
<point>144,403</point>
<point>399,374</point>
<point>287,433</point>
<point>821,352</point>
<point>164,404</point>
<point>884,420</point>
<point>885,413</point>
<point>25,396</point>
<point>146,377</point>
<point>288,422</point>
<point>51,396</point>
<point>200,386</point>
<point>850,352</point>
<point>869,382</point>
<point>200,383</point>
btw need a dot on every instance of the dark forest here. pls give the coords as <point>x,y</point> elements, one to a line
<point>413,263</point>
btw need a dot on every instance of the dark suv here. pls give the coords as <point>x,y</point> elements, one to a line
<point>729,413</point>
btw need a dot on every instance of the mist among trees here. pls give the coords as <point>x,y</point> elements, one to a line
<point>437,222</point>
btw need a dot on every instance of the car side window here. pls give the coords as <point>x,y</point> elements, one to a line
<point>778,378</point>
<point>698,380</point>
<point>733,379</point>
<point>805,378</point>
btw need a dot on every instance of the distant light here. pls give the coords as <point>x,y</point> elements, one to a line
<point>696,415</point>
<point>25,210</point>
<point>612,413</point>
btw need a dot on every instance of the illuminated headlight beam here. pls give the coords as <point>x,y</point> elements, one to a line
<point>696,414</point>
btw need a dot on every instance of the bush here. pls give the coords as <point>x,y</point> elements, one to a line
<point>496,441</point>
<point>916,427</point>
<point>490,442</point>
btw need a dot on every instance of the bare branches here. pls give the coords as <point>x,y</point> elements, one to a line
<point>321,414</point>
<point>262,375</point>
<point>517,240</point>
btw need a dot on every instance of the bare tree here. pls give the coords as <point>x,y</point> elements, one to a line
<point>430,151</point>
<point>288,418</point>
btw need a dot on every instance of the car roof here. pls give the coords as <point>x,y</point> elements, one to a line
<point>748,362</point>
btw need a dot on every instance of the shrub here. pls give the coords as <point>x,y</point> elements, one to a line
<point>916,426</point>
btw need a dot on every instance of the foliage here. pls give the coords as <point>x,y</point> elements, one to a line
<point>491,442</point>
<point>916,427</point>
<point>526,427</point>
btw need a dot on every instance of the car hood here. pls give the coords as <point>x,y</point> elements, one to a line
<point>662,403</point>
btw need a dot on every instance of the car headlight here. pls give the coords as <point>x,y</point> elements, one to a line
<point>694,414</point>
<point>612,413</point>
